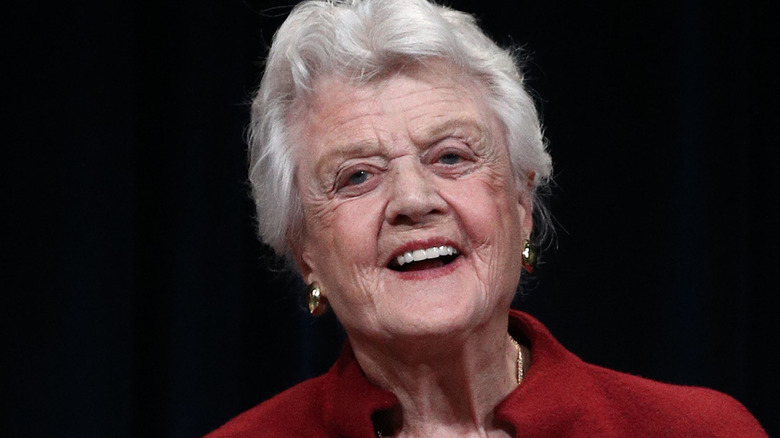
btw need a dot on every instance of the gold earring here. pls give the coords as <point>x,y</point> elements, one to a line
<point>318,304</point>
<point>529,257</point>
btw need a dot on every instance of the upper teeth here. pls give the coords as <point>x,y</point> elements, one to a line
<point>424,254</point>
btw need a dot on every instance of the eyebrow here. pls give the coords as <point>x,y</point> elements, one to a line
<point>437,131</point>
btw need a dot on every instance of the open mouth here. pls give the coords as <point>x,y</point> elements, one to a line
<point>421,259</point>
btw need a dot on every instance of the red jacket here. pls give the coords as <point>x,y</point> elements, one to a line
<point>561,396</point>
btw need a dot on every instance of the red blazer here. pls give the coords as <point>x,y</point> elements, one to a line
<point>561,396</point>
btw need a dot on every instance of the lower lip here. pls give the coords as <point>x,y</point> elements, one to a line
<point>428,274</point>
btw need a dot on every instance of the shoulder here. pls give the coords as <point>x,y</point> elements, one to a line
<point>673,410</point>
<point>565,394</point>
<point>281,416</point>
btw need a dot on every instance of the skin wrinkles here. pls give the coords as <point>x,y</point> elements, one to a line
<point>371,142</point>
<point>438,171</point>
<point>377,156</point>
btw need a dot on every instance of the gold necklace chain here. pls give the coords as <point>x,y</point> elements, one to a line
<point>520,371</point>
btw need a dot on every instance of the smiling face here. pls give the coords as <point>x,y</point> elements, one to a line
<point>413,221</point>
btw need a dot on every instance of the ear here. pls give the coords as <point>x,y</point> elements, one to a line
<point>525,211</point>
<point>303,260</point>
<point>525,204</point>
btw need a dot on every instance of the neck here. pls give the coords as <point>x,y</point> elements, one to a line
<point>447,385</point>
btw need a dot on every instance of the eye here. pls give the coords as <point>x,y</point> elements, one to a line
<point>356,181</point>
<point>358,177</point>
<point>450,159</point>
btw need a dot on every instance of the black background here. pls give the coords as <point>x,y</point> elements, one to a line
<point>139,303</point>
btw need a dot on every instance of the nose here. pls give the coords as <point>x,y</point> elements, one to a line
<point>414,196</point>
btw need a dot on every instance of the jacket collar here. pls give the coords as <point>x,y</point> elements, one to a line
<point>552,387</point>
<point>551,383</point>
<point>351,400</point>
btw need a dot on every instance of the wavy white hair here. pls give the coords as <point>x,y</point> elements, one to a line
<point>360,40</point>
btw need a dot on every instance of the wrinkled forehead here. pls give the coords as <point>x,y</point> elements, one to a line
<point>417,104</point>
<point>337,90</point>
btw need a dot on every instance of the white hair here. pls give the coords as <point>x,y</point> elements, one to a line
<point>360,40</point>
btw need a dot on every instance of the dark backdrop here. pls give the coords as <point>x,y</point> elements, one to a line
<point>138,302</point>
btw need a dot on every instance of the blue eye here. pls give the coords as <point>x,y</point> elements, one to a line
<point>358,177</point>
<point>449,159</point>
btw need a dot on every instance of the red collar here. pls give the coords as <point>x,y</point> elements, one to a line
<point>351,400</point>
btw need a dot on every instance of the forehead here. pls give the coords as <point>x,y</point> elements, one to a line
<point>416,103</point>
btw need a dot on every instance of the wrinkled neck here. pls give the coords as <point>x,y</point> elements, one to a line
<point>447,384</point>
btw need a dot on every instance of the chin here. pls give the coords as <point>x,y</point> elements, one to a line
<point>439,314</point>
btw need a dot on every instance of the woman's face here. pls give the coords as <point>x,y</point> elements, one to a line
<point>414,165</point>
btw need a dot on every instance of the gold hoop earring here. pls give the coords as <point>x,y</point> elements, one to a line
<point>318,304</point>
<point>529,257</point>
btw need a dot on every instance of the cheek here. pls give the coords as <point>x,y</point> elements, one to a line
<point>487,209</point>
<point>347,260</point>
<point>490,218</point>
<point>347,238</point>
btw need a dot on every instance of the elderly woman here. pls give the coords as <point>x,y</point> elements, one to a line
<point>395,160</point>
